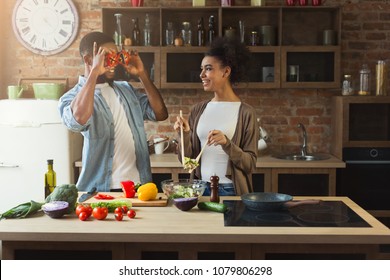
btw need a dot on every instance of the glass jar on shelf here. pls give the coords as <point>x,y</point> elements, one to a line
<point>365,79</point>
<point>347,88</point>
<point>186,33</point>
<point>169,34</point>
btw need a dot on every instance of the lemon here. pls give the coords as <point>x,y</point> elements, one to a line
<point>147,191</point>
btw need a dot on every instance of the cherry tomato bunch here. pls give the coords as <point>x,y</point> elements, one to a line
<point>121,211</point>
<point>83,211</point>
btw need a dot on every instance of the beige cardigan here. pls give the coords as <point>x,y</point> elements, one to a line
<point>242,148</point>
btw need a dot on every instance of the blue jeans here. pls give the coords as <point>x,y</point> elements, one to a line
<point>223,190</point>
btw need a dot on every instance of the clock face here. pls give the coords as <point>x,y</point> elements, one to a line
<point>45,27</point>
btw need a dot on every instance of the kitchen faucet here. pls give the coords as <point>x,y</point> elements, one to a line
<point>304,145</point>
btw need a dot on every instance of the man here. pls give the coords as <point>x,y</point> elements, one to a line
<point>110,115</point>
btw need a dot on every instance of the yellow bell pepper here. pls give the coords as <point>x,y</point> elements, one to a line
<point>147,191</point>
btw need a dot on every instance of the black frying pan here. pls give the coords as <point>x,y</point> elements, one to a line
<point>268,201</point>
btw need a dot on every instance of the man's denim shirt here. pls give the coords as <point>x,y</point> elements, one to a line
<point>98,132</point>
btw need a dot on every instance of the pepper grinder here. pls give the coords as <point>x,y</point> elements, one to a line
<point>214,196</point>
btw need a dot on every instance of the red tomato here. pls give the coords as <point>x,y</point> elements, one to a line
<point>80,208</point>
<point>119,216</point>
<point>131,214</point>
<point>83,216</point>
<point>118,210</point>
<point>88,209</point>
<point>125,209</point>
<point>100,213</point>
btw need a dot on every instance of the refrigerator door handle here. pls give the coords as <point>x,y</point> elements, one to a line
<point>4,165</point>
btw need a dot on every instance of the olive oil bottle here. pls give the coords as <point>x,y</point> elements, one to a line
<point>50,178</point>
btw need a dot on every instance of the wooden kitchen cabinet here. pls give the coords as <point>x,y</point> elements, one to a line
<point>360,121</point>
<point>298,41</point>
<point>304,181</point>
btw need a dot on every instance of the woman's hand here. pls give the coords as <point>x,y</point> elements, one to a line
<point>180,121</point>
<point>216,137</point>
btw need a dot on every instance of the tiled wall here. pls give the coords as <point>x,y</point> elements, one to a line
<point>365,38</point>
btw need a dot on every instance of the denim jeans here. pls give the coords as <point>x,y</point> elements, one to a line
<point>223,190</point>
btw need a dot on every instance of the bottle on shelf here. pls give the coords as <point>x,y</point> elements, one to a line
<point>186,33</point>
<point>147,31</point>
<point>381,78</point>
<point>214,188</point>
<point>201,33</point>
<point>169,34</point>
<point>211,32</point>
<point>136,33</point>
<point>365,77</point>
<point>118,36</point>
<point>50,178</point>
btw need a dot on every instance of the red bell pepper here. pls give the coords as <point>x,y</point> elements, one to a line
<point>128,188</point>
<point>103,196</point>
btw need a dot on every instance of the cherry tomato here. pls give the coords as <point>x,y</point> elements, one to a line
<point>80,208</point>
<point>118,210</point>
<point>88,209</point>
<point>125,209</point>
<point>100,213</point>
<point>131,214</point>
<point>83,216</point>
<point>119,216</point>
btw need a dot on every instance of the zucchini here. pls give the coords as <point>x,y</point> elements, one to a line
<point>212,206</point>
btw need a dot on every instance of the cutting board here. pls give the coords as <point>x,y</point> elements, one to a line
<point>160,201</point>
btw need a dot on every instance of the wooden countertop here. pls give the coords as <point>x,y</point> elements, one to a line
<point>171,160</point>
<point>168,224</point>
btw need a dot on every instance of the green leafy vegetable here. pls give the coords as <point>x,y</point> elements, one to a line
<point>22,210</point>
<point>183,192</point>
<point>111,205</point>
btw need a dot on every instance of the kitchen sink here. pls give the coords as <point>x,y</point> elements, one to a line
<point>301,157</point>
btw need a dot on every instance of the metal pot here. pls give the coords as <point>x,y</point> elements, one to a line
<point>268,201</point>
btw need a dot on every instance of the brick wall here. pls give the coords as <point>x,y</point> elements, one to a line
<point>365,38</point>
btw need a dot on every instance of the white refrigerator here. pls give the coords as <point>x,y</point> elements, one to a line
<point>31,132</point>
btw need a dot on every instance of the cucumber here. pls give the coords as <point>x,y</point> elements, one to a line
<point>212,206</point>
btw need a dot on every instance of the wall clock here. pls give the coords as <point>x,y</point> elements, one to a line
<point>45,27</point>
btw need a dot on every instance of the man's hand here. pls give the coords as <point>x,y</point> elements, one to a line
<point>98,59</point>
<point>136,66</point>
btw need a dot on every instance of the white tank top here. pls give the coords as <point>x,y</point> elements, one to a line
<point>124,162</point>
<point>219,116</point>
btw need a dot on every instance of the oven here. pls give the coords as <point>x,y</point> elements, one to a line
<point>366,178</point>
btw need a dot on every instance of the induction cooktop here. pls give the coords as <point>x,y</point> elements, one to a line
<point>325,214</point>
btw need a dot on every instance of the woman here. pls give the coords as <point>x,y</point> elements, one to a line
<point>225,124</point>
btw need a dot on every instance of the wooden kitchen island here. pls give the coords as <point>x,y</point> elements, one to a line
<point>168,233</point>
